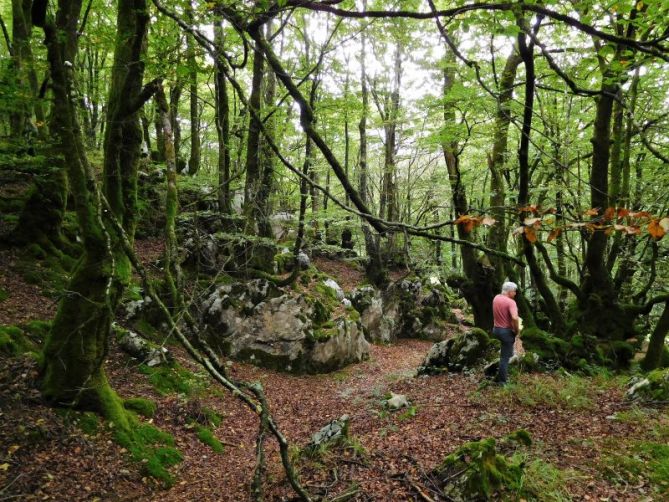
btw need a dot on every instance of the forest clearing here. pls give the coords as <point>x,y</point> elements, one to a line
<point>334,250</point>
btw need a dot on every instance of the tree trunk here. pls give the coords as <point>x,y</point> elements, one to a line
<point>267,155</point>
<point>478,286</point>
<point>77,345</point>
<point>374,270</point>
<point>253,174</point>
<point>656,346</point>
<point>175,97</point>
<point>194,160</point>
<point>222,124</point>
<point>498,235</point>
<point>173,279</point>
<point>551,306</point>
<point>389,197</point>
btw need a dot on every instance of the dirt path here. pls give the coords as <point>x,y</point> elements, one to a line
<point>47,457</point>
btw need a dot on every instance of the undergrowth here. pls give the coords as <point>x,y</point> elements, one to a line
<point>640,461</point>
<point>556,391</point>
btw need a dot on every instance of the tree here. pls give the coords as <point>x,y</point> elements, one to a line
<point>77,345</point>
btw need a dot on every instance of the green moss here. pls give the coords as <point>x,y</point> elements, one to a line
<point>172,379</point>
<point>212,417</point>
<point>144,407</point>
<point>205,435</point>
<point>89,423</point>
<point>482,469</point>
<point>324,332</point>
<point>39,329</point>
<point>3,295</point>
<point>13,341</point>
<point>321,312</point>
<point>548,347</point>
<point>152,447</point>
<point>146,329</point>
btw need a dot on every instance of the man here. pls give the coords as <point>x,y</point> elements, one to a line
<point>507,326</point>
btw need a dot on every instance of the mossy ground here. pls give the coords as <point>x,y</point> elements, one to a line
<point>15,340</point>
<point>167,379</point>
<point>152,447</point>
<point>640,461</point>
<point>206,436</point>
<point>145,407</point>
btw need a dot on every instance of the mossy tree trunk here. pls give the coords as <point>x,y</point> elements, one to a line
<point>222,123</point>
<point>478,286</point>
<point>252,185</point>
<point>656,346</point>
<point>194,159</point>
<point>267,157</point>
<point>24,72</point>
<point>172,268</point>
<point>41,219</point>
<point>77,345</point>
<point>375,269</point>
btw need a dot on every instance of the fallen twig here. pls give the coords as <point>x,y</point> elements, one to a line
<point>418,489</point>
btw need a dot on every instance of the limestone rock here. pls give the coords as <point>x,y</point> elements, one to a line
<point>462,353</point>
<point>258,323</point>
<point>332,284</point>
<point>141,349</point>
<point>397,401</point>
<point>336,429</point>
<point>655,387</point>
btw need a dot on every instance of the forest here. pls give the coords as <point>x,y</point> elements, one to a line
<point>249,249</point>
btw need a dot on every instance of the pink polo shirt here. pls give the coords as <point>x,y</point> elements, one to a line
<point>503,311</point>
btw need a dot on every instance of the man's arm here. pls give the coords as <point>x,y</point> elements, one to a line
<point>515,321</point>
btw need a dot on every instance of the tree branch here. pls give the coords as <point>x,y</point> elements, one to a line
<point>652,47</point>
<point>555,277</point>
<point>8,41</point>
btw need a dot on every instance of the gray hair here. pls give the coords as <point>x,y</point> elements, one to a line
<point>509,286</point>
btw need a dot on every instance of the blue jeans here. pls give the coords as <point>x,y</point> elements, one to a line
<point>507,337</point>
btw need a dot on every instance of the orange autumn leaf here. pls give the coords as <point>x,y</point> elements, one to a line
<point>640,214</point>
<point>656,230</point>
<point>554,233</point>
<point>609,214</point>
<point>468,222</point>
<point>622,212</point>
<point>592,212</point>
<point>529,209</point>
<point>530,234</point>
<point>629,230</point>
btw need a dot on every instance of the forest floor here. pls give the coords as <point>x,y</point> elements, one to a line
<point>586,436</point>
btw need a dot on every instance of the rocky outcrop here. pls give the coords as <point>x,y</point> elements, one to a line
<point>409,308</point>
<point>259,323</point>
<point>462,353</point>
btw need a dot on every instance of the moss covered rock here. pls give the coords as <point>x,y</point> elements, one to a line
<point>464,352</point>
<point>480,470</point>
<point>655,387</point>
<point>284,330</point>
